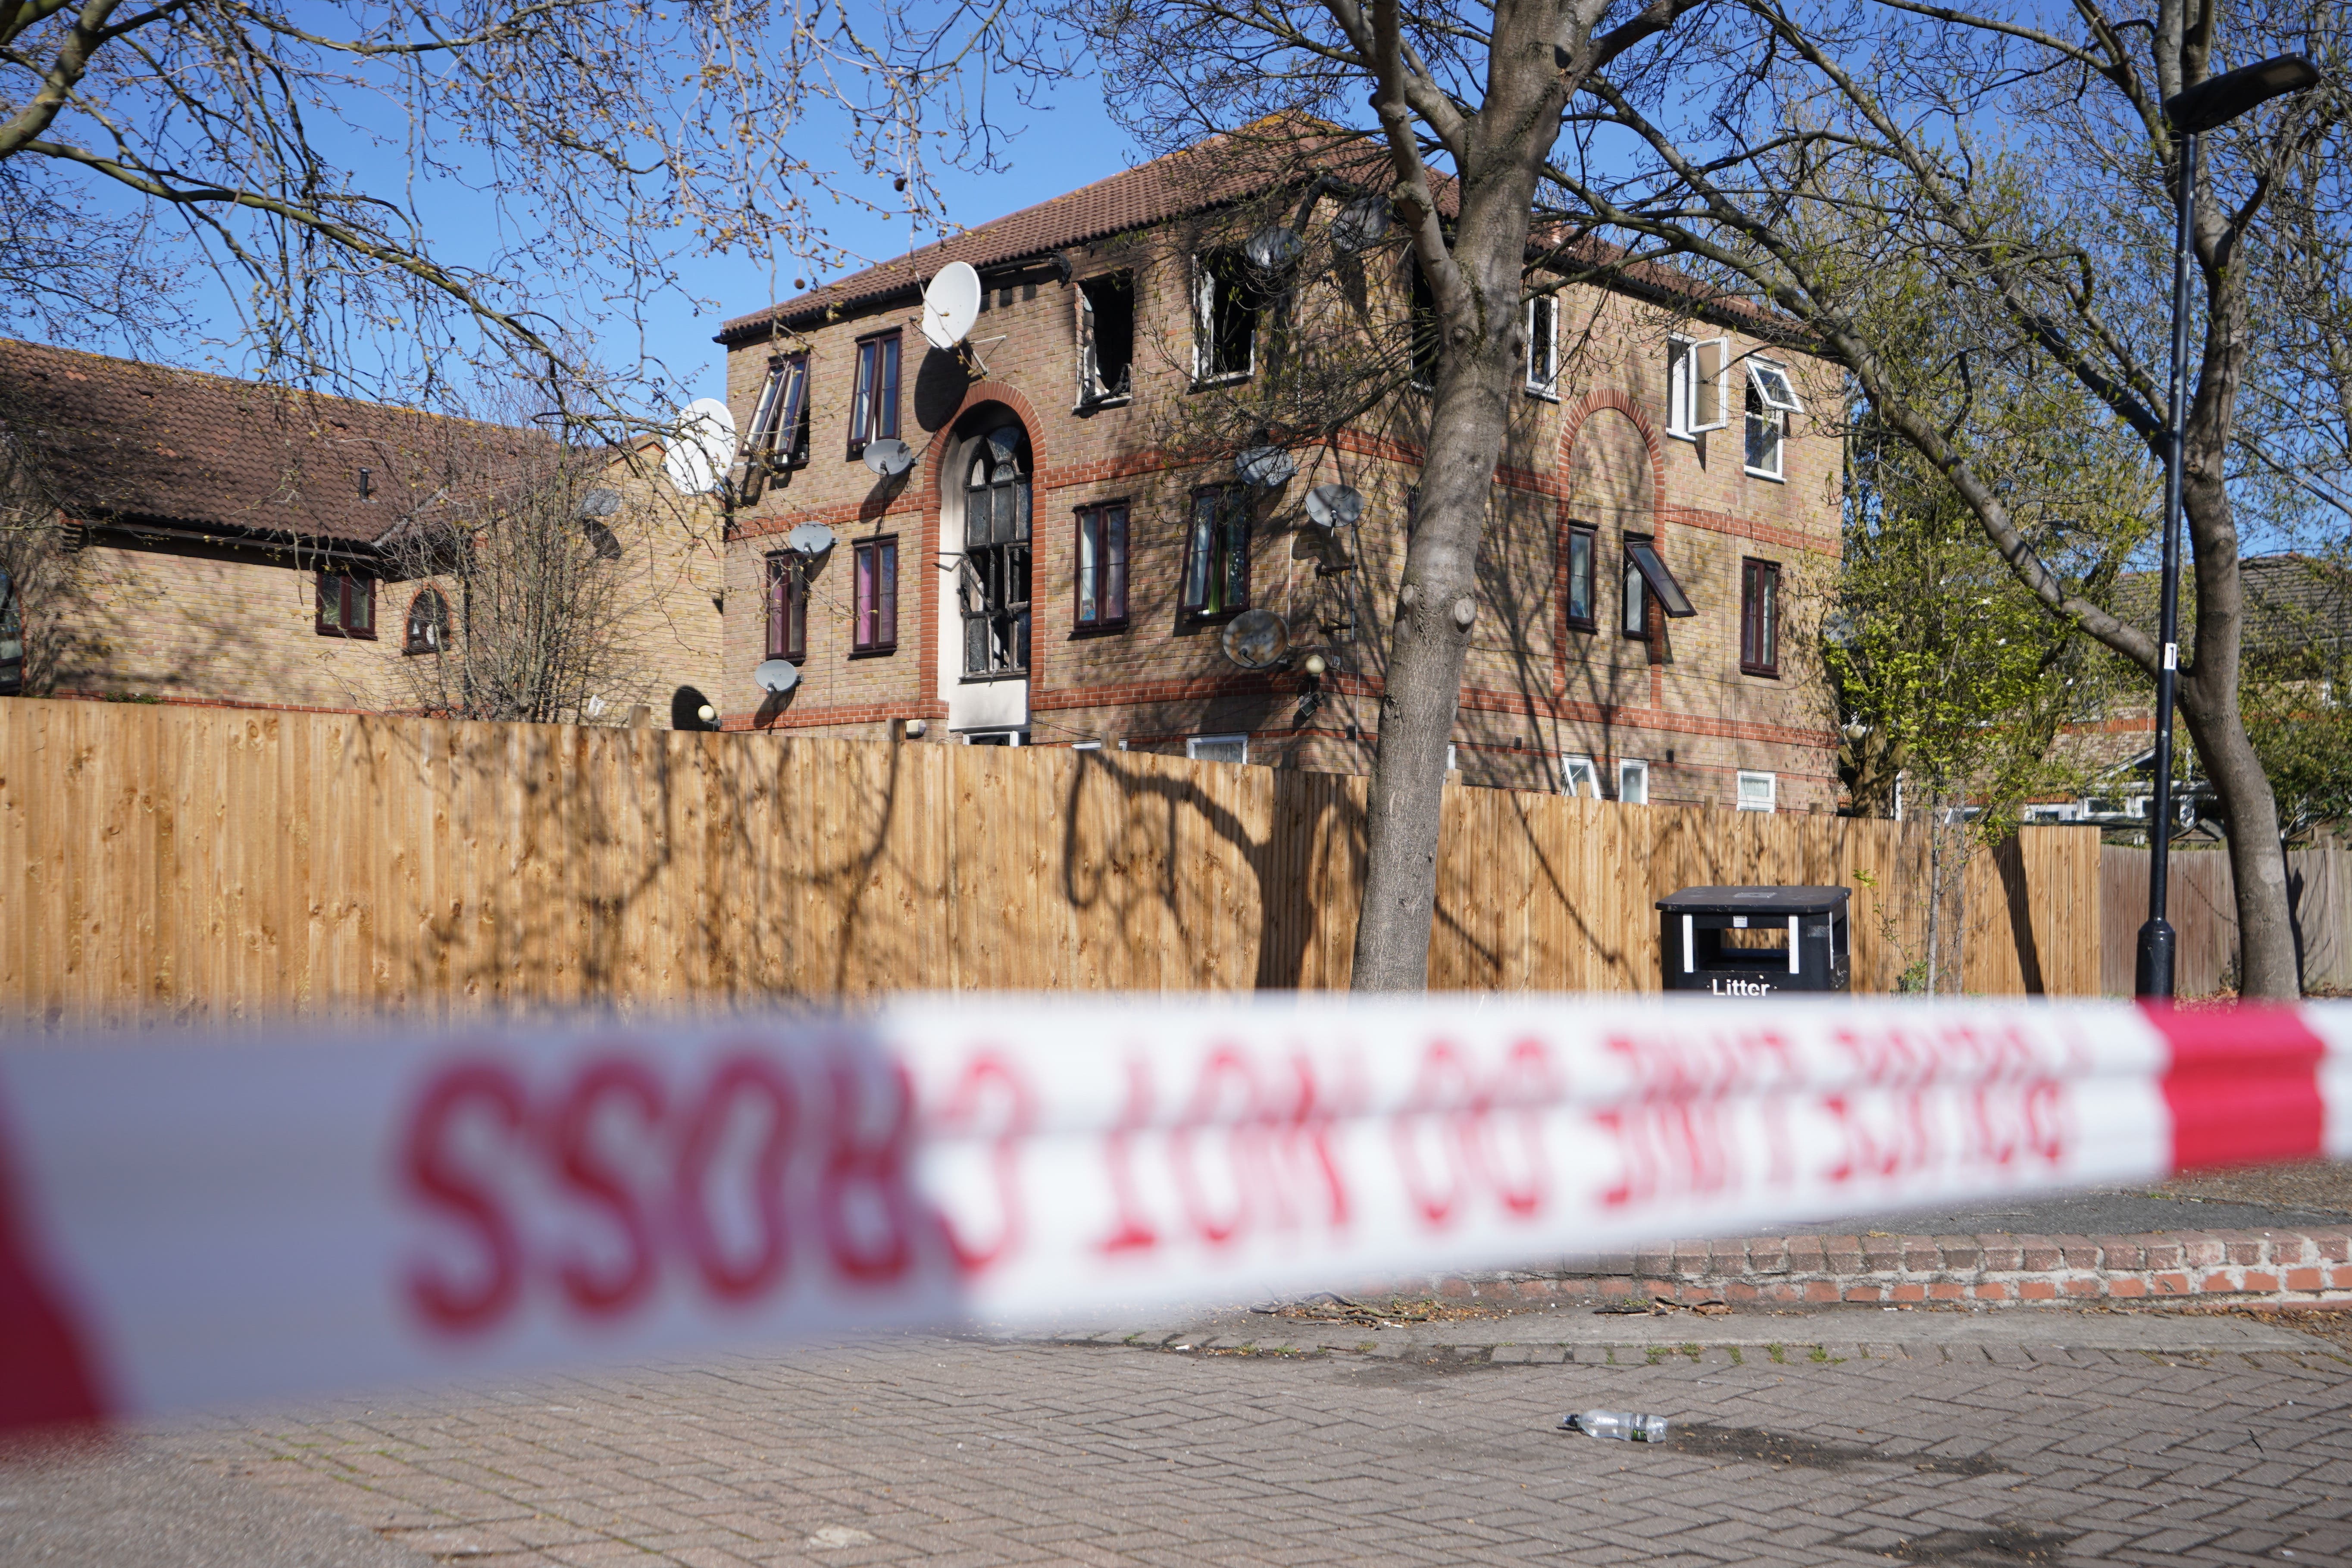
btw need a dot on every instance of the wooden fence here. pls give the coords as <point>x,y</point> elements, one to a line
<point>219,862</point>
<point>2201,901</point>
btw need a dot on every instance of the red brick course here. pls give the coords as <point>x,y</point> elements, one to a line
<point>2252,1266</point>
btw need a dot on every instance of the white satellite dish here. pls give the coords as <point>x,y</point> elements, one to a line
<point>703,446</point>
<point>1361,223</point>
<point>810,539</point>
<point>1273,248</point>
<point>950,305</point>
<point>889,457</point>
<point>1335,506</point>
<point>778,675</point>
<point>1265,466</point>
<point>1256,639</point>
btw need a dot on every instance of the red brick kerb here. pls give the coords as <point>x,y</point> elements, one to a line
<point>2001,1269</point>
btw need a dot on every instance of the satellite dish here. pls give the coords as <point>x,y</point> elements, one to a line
<point>1256,639</point>
<point>703,446</point>
<point>950,305</point>
<point>889,457</point>
<point>778,675</point>
<point>1265,466</point>
<point>1273,248</point>
<point>810,539</point>
<point>1334,506</point>
<point>1361,223</point>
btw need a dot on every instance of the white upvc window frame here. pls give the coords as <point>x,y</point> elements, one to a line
<point>1693,366</point>
<point>1633,781</point>
<point>1192,744</point>
<point>1573,770</point>
<point>1746,798</point>
<point>1543,347</point>
<point>1766,382</point>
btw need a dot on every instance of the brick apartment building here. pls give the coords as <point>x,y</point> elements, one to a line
<point>181,537</point>
<point>1058,564</point>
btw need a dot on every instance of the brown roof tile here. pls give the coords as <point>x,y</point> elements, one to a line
<point>115,438</point>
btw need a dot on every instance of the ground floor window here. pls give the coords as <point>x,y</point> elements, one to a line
<point>1578,776</point>
<point>1759,617</point>
<point>1217,748</point>
<point>1633,781</point>
<point>1758,792</point>
<point>996,738</point>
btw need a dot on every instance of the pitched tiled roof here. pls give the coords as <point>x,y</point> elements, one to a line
<point>118,439</point>
<point>1219,170</point>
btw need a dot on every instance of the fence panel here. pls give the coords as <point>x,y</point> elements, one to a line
<point>221,862</point>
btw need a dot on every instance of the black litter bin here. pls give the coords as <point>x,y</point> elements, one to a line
<point>1755,942</point>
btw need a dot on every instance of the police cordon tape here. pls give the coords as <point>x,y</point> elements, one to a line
<point>198,1221</point>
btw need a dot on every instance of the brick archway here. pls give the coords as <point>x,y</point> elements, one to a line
<point>1572,425</point>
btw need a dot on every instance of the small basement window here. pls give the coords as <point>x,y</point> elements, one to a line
<point>1217,748</point>
<point>1106,338</point>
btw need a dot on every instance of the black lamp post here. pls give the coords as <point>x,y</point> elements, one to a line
<point>2205,106</point>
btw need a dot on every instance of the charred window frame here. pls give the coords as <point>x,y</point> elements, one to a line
<point>787,606</point>
<point>1425,327</point>
<point>1759,617</point>
<point>874,597</point>
<point>346,607</point>
<point>874,410</point>
<point>1102,567</point>
<point>993,578</point>
<point>780,421</point>
<point>1228,305</point>
<point>1217,554</point>
<point>1106,307</point>
<point>1583,545</point>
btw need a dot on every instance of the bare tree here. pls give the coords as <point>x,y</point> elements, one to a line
<point>1806,154</point>
<point>602,139</point>
<point>1466,102</point>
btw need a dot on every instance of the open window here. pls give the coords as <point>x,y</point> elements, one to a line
<point>1106,339</point>
<point>1227,303</point>
<point>1577,775</point>
<point>1650,587</point>
<point>1216,552</point>
<point>1695,371</point>
<point>1770,400</point>
<point>874,410</point>
<point>1543,346</point>
<point>780,421</point>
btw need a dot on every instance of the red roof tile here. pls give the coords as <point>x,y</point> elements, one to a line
<point>115,438</point>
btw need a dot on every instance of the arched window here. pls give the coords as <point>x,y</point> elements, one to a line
<point>993,580</point>
<point>428,622</point>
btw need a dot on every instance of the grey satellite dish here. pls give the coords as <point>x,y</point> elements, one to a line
<point>778,675</point>
<point>889,457</point>
<point>810,539</point>
<point>704,446</point>
<point>1361,223</point>
<point>1334,506</point>
<point>950,305</point>
<point>1256,639</point>
<point>1273,248</point>
<point>1265,466</point>
<point>600,502</point>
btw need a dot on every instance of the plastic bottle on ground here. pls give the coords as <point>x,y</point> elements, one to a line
<point>1622,1424</point>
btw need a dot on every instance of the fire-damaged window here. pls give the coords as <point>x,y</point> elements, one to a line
<point>1106,338</point>
<point>1425,328</point>
<point>993,582</point>
<point>1226,304</point>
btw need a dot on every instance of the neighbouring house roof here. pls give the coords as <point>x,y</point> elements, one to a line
<point>1220,171</point>
<point>118,441</point>
<point>2293,600</point>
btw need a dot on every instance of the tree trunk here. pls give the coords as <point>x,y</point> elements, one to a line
<point>1437,609</point>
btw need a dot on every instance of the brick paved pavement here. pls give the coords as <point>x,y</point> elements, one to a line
<point>1944,1443</point>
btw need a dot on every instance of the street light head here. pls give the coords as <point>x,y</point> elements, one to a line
<point>2215,103</point>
